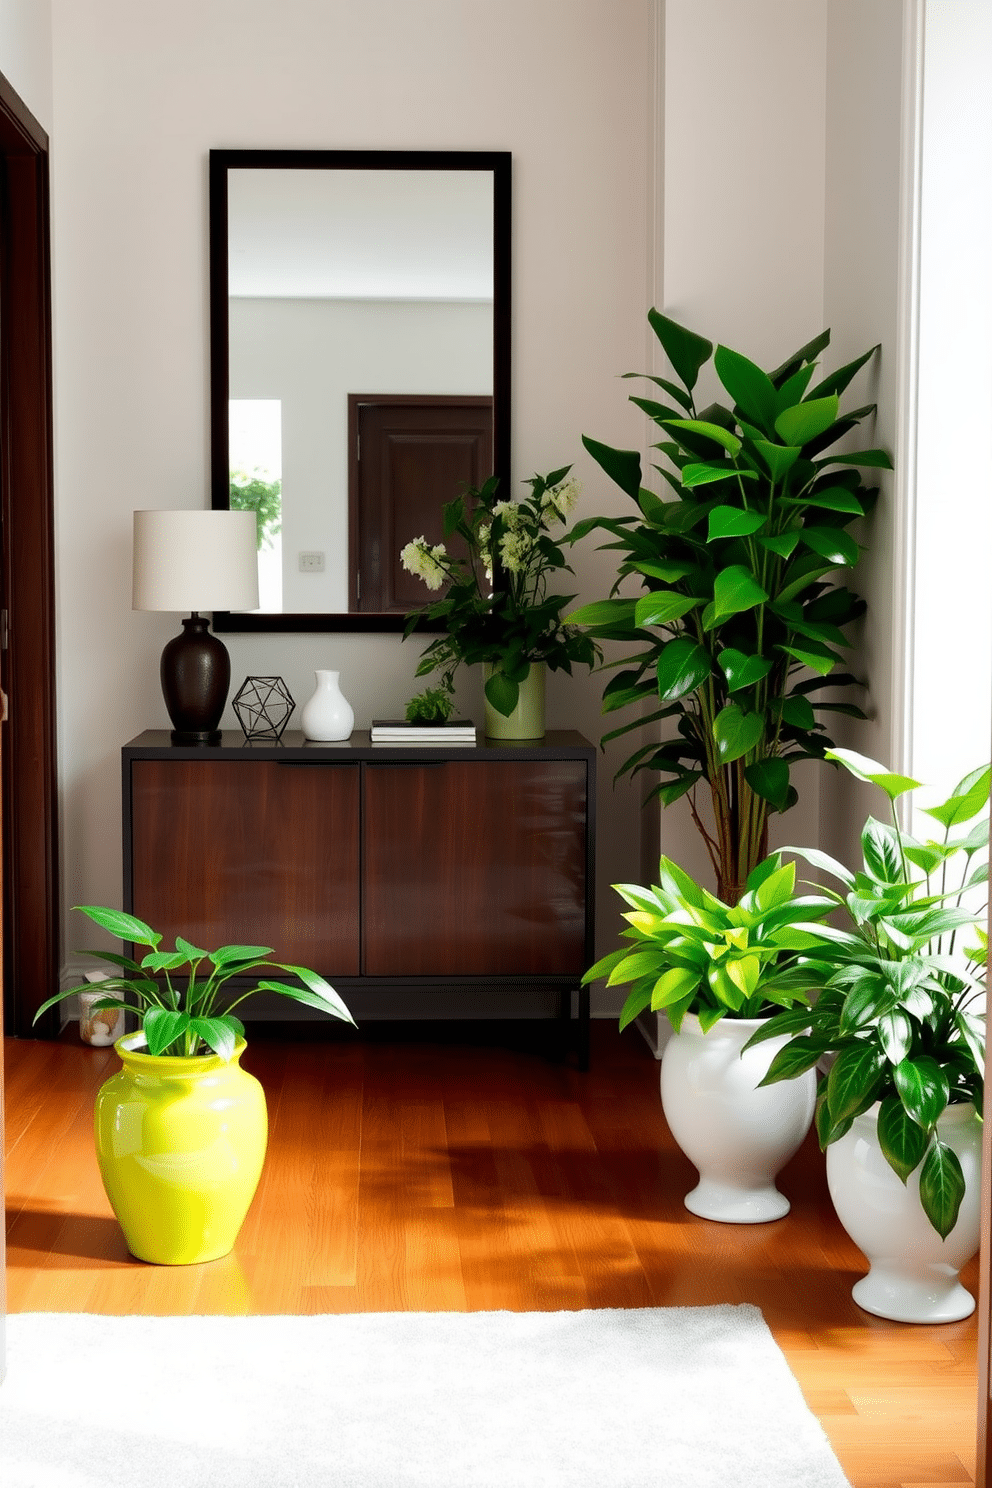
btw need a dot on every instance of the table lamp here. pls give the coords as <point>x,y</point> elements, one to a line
<point>195,560</point>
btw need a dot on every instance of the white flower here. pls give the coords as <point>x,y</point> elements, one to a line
<point>423,561</point>
<point>559,501</point>
<point>514,551</point>
<point>511,513</point>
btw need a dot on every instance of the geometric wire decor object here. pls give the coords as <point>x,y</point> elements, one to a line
<point>264,706</point>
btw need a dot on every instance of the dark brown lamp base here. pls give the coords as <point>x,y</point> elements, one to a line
<point>196,677</point>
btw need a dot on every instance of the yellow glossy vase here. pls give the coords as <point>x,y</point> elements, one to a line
<point>180,1143</point>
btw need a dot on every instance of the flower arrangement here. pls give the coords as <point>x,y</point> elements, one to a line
<point>496,606</point>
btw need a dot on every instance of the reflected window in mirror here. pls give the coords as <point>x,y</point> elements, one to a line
<point>366,297</point>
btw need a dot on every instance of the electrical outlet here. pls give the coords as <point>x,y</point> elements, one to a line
<point>311,563</point>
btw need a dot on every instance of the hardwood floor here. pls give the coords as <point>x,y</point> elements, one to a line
<point>475,1172</point>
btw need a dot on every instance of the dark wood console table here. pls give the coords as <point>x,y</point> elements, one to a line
<point>387,868</point>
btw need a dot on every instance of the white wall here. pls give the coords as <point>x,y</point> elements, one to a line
<point>142,92</point>
<point>26,54</point>
<point>744,153</point>
<point>310,354</point>
<point>867,295</point>
<point>952,599</point>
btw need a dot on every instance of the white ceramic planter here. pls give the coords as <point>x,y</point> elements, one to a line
<point>914,1274</point>
<point>739,1137</point>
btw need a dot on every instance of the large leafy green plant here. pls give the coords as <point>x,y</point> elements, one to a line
<point>690,952</point>
<point>175,993</point>
<point>899,1008</point>
<point>497,606</point>
<point>741,627</point>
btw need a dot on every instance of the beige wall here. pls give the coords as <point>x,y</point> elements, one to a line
<point>142,93</point>
<point>712,158</point>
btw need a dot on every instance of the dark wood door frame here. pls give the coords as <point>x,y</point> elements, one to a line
<point>27,660</point>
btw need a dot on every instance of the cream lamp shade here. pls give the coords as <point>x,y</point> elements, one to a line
<point>195,560</point>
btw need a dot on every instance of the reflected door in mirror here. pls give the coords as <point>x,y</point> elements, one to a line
<point>409,456</point>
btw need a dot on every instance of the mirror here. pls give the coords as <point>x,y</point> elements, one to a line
<point>360,365</point>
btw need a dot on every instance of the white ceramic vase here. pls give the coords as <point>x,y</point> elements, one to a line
<point>913,1276</point>
<point>737,1136</point>
<point>328,716</point>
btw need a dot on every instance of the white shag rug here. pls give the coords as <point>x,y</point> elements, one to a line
<point>644,1398</point>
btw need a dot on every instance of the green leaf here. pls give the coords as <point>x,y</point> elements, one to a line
<point>722,437</point>
<point>682,667</point>
<point>941,1188</point>
<point>798,713</point>
<point>661,607</point>
<point>751,389</point>
<point>622,466</point>
<point>782,543</point>
<point>731,521</point>
<point>735,589</point>
<point>675,984</point>
<point>605,614</point>
<point>326,1001</point>
<point>795,1058</point>
<point>880,846</point>
<point>854,1080</point>
<point>228,954</point>
<point>875,774</point>
<point>117,922</point>
<point>834,498</point>
<point>839,380</point>
<point>637,1001</point>
<point>800,424</point>
<point>502,693</point>
<point>833,544</point>
<point>162,1026</point>
<point>965,801</point>
<point>822,661</point>
<point>217,1033</point>
<point>902,1140</point>
<point>779,458</point>
<point>922,1087</point>
<point>705,472</point>
<point>740,670</point>
<point>680,395</point>
<point>163,961</point>
<point>736,733</point>
<point>769,779</point>
<point>875,458</point>
<point>895,1034</point>
<point>686,351</point>
<point>189,952</point>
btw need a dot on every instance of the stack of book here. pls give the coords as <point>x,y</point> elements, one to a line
<point>398,731</point>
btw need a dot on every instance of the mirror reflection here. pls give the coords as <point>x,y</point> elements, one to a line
<point>362,329</point>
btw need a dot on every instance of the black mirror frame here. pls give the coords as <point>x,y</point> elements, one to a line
<point>221,161</point>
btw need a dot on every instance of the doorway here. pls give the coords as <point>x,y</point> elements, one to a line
<point>408,455</point>
<point>28,784</point>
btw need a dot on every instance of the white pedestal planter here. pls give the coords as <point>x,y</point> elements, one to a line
<point>914,1274</point>
<point>739,1137</point>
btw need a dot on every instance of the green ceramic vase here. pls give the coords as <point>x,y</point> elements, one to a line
<point>527,719</point>
<point>180,1144</point>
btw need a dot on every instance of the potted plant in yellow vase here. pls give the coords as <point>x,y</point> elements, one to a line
<point>497,608</point>
<point>181,1129</point>
<point>901,1025</point>
<point>719,971</point>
